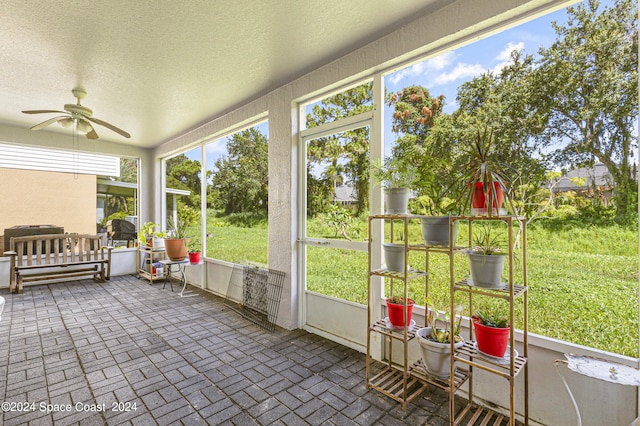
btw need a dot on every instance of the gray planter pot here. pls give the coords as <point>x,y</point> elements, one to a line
<point>436,356</point>
<point>435,231</point>
<point>486,270</point>
<point>394,256</point>
<point>396,200</point>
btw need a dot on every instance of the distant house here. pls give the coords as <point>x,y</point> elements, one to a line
<point>345,195</point>
<point>597,176</point>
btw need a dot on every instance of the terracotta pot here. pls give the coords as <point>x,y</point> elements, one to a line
<point>175,248</point>
<point>396,313</point>
<point>492,341</point>
<point>478,200</point>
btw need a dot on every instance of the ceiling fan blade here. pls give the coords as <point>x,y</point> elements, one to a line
<point>43,111</point>
<point>47,122</point>
<point>109,126</point>
<point>92,134</point>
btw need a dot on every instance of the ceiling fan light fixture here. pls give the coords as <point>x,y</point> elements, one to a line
<point>83,127</point>
<point>66,122</point>
<point>77,114</point>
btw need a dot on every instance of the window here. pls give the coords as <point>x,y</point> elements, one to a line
<point>238,196</point>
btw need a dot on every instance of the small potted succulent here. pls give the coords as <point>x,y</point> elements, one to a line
<point>492,333</point>
<point>395,311</point>
<point>194,249</point>
<point>396,174</point>
<point>486,258</point>
<point>435,341</point>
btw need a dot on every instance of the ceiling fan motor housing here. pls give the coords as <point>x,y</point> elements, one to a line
<point>78,110</point>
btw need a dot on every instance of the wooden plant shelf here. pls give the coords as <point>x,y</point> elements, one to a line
<point>391,383</point>
<point>501,368</point>
<point>381,327</point>
<point>504,292</point>
<point>417,370</point>
<point>474,415</point>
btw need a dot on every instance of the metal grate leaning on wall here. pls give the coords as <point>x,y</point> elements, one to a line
<point>259,298</point>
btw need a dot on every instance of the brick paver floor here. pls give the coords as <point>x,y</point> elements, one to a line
<point>125,352</point>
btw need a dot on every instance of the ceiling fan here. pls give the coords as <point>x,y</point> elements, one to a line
<point>78,115</point>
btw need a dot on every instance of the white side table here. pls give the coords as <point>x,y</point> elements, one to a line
<point>599,369</point>
<point>180,266</point>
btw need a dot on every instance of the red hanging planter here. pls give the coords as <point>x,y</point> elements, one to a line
<point>478,200</point>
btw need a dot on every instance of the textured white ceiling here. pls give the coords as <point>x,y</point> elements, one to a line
<point>159,68</point>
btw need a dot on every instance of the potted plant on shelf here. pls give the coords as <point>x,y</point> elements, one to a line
<point>175,239</point>
<point>436,228</point>
<point>394,254</point>
<point>486,258</point>
<point>395,311</point>
<point>486,180</point>
<point>396,175</point>
<point>435,341</point>
<point>194,249</point>
<point>148,236</point>
<point>492,333</point>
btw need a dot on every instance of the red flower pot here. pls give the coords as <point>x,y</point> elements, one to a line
<point>396,313</point>
<point>478,200</point>
<point>491,340</point>
<point>194,257</point>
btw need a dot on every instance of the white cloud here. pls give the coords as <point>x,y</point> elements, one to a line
<point>504,57</point>
<point>461,71</point>
<point>423,68</point>
<point>441,61</point>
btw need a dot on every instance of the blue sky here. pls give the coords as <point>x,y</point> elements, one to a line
<point>444,73</point>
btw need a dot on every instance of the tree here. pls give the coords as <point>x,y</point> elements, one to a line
<point>587,89</point>
<point>414,116</point>
<point>241,182</point>
<point>503,102</point>
<point>343,157</point>
<point>183,173</point>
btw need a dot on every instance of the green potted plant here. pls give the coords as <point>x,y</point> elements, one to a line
<point>174,242</point>
<point>194,248</point>
<point>435,227</point>
<point>395,311</point>
<point>149,236</point>
<point>486,179</point>
<point>492,333</point>
<point>435,340</point>
<point>396,174</point>
<point>486,258</point>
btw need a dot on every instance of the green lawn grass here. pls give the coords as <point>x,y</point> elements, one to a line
<point>583,282</point>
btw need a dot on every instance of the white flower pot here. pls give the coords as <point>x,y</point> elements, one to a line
<point>436,356</point>
<point>486,270</point>
<point>396,200</point>
<point>435,231</point>
<point>394,256</point>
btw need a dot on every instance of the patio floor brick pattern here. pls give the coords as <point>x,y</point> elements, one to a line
<point>180,361</point>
